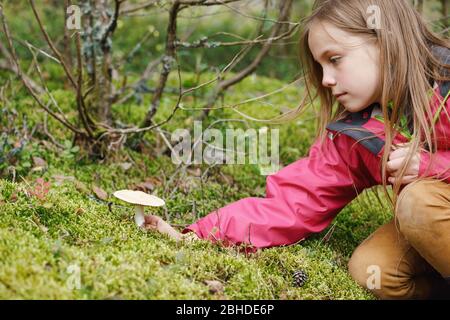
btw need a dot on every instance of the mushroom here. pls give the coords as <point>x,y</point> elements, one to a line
<point>141,200</point>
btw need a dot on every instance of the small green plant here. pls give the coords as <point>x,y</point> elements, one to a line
<point>40,189</point>
<point>7,190</point>
<point>70,151</point>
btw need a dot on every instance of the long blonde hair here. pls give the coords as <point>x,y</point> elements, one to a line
<point>407,64</point>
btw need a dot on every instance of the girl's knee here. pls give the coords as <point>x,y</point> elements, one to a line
<point>365,267</point>
<point>418,211</point>
<point>375,269</point>
<point>414,206</point>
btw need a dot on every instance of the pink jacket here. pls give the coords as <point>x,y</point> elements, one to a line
<point>304,197</point>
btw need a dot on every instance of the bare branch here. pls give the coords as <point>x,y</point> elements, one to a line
<point>151,126</point>
<point>205,3</point>
<point>203,43</point>
<point>285,10</point>
<point>4,51</point>
<point>52,46</point>
<point>12,68</point>
<point>80,100</point>
<point>167,60</point>
<point>47,91</point>
<point>257,18</point>
<point>113,23</point>
<point>20,74</point>
<point>151,66</point>
<point>177,105</point>
<point>8,65</point>
<point>76,86</point>
<point>141,6</point>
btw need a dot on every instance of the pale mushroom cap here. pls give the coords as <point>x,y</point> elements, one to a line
<point>139,198</point>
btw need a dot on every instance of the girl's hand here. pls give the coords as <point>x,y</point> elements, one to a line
<point>396,159</point>
<point>155,223</point>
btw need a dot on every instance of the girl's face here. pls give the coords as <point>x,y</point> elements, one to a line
<point>350,65</point>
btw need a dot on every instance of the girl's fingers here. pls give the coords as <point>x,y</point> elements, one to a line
<point>151,222</point>
<point>394,164</point>
<point>399,145</point>
<point>408,172</point>
<point>398,153</point>
<point>405,180</point>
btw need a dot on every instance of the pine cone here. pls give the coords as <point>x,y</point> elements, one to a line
<point>299,278</point>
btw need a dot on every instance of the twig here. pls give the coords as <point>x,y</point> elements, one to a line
<point>203,43</point>
<point>8,67</point>
<point>47,91</point>
<point>80,97</point>
<point>52,46</point>
<point>113,24</point>
<point>279,21</point>
<point>137,7</point>
<point>167,60</point>
<point>20,73</point>
<point>52,139</point>
<point>285,10</point>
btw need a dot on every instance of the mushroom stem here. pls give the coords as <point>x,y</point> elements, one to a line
<point>139,216</point>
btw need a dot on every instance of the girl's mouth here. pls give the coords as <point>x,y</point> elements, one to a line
<point>340,95</point>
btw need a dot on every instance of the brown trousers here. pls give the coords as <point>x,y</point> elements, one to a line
<point>409,258</point>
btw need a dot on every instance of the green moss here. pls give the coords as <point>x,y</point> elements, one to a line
<point>47,245</point>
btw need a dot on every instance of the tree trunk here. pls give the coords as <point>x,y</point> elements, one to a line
<point>67,51</point>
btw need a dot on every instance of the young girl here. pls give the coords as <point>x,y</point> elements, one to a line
<point>381,77</point>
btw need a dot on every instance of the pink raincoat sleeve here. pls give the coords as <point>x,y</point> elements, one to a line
<point>436,165</point>
<point>301,199</point>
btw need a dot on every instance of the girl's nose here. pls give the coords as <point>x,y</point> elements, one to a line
<point>328,80</point>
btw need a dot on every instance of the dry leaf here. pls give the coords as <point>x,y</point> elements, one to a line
<point>189,184</point>
<point>155,181</point>
<point>196,172</point>
<point>214,286</point>
<point>39,224</point>
<point>81,187</point>
<point>100,193</point>
<point>13,197</point>
<point>126,165</point>
<point>226,179</point>
<point>39,162</point>
<point>144,186</point>
<point>80,211</point>
<point>148,185</point>
<point>59,179</point>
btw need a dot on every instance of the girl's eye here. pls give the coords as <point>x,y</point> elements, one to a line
<point>334,60</point>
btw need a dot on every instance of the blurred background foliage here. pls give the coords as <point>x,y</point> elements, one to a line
<point>194,24</point>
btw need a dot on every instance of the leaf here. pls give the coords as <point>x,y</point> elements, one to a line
<point>75,149</point>
<point>214,286</point>
<point>67,144</point>
<point>26,164</point>
<point>144,186</point>
<point>195,172</point>
<point>39,224</point>
<point>100,193</point>
<point>148,185</point>
<point>59,179</point>
<point>107,240</point>
<point>39,162</point>
<point>126,165</point>
<point>13,197</point>
<point>81,187</point>
<point>79,211</point>
<point>47,205</point>
<point>40,189</point>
